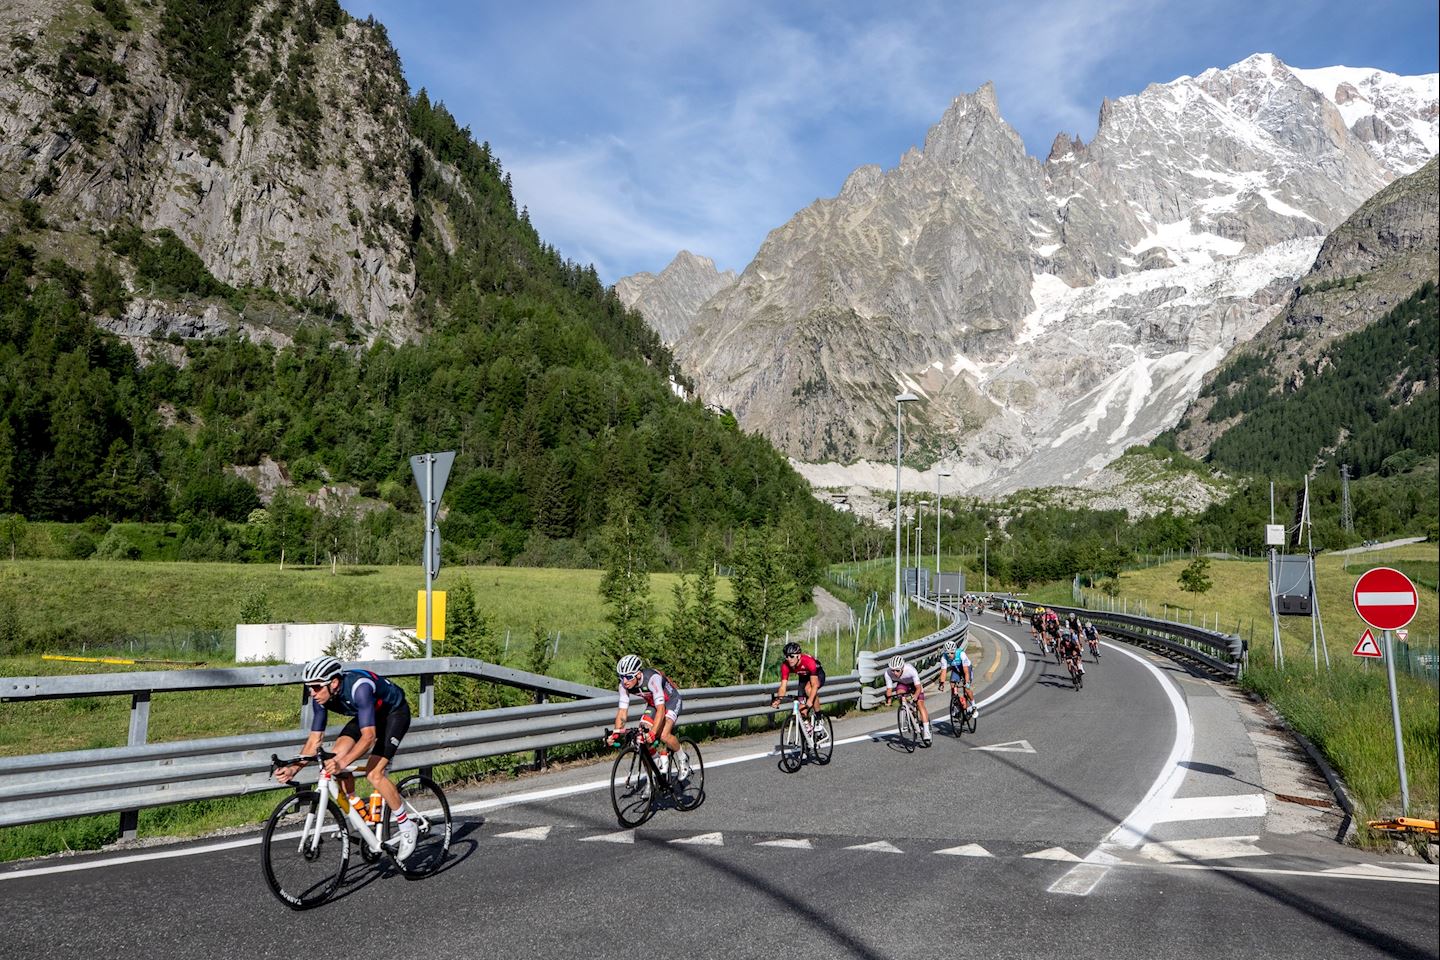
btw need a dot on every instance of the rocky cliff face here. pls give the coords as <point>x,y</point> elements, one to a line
<point>283,163</point>
<point>1048,314</point>
<point>670,299</point>
<point>1380,255</point>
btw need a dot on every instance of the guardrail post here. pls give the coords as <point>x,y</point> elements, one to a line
<point>427,708</point>
<point>139,732</point>
<point>540,753</point>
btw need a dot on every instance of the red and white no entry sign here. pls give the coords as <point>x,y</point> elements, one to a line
<point>1385,598</point>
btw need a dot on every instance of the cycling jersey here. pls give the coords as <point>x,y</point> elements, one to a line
<point>362,695</point>
<point>955,666</point>
<point>1091,633</point>
<point>908,677</point>
<point>656,690</point>
<point>807,668</point>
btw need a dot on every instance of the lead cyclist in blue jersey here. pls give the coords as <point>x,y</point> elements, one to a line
<point>379,719</point>
<point>955,666</point>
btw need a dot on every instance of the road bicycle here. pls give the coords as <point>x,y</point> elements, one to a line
<point>962,712</point>
<point>801,739</point>
<point>1077,678</point>
<point>907,716</point>
<point>306,845</point>
<point>639,787</point>
<point>1094,648</point>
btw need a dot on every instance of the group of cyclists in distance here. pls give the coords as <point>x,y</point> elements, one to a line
<point>380,716</point>
<point>1063,637</point>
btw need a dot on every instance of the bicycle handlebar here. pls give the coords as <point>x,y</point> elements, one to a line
<point>321,754</point>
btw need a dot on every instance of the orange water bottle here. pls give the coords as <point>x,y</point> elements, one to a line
<point>376,802</point>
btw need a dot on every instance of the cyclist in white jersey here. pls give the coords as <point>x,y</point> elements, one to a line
<point>903,678</point>
<point>663,704</point>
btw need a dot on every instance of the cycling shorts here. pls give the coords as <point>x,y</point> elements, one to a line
<point>390,728</point>
<point>901,689</point>
<point>956,674</point>
<point>672,711</point>
<point>804,678</point>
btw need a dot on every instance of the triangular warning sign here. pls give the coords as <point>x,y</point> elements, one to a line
<point>1367,647</point>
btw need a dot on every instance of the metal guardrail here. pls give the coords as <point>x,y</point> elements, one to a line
<point>1222,652</point>
<point>125,779</point>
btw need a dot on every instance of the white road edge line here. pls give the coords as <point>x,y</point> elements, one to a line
<point>515,800</point>
<point>1132,831</point>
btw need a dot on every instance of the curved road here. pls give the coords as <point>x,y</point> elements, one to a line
<point>1149,775</point>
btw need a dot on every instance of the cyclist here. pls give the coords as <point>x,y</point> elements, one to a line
<point>903,679</point>
<point>955,665</point>
<point>379,718</point>
<point>1092,637</point>
<point>662,710</point>
<point>810,677</point>
<point>1069,650</point>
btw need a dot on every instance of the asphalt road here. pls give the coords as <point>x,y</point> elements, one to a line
<point>948,851</point>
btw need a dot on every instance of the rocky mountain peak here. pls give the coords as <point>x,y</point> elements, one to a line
<point>1049,315</point>
<point>669,300</point>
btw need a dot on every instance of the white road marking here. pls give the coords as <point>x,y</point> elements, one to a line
<point>703,840</point>
<point>1213,808</point>
<point>1080,880</point>
<point>968,850</point>
<point>798,844</point>
<point>1426,870</point>
<point>1207,848</point>
<point>529,833</point>
<point>1133,830</point>
<point>623,836</point>
<point>1052,853</point>
<point>879,846</point>
<point>1014,746</point>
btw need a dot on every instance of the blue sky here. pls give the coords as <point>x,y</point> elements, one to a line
<point>635,129</point>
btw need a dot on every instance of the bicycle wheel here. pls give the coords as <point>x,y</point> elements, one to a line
<point>689,792</point>
<point>303,868</point>
<point>791,749</point>
<point>907,727</point>
<point>426,806</point>
<point>824,741</point>
<point>632,789</point>
<point>957,716</point>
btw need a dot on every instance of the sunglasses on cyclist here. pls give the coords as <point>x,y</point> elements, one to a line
<point>317,686</point>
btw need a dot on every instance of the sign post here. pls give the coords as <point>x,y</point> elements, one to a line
<point>1386,599</point>
<point>431,470</point>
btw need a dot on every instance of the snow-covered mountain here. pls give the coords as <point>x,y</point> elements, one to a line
<point>1049,314</point>
<point>1394,116</point>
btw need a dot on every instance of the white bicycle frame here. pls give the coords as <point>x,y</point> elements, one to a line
<point>369,833</point>
<point>803,723</point>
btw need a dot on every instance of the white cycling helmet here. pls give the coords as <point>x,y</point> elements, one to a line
<point>628,665</point>
<point>949,646</point>
<point>897,662</point>
<point>321,670</point>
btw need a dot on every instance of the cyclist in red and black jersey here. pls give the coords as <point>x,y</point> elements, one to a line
<point>809,675</point>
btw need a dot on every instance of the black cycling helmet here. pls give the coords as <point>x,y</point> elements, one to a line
<point>792,649</point>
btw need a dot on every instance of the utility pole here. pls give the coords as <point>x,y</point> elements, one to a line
<point>1347,522</point>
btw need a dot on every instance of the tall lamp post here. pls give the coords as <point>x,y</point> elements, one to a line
<point>900,401</point>
<point>941,474</point>
<point>919,540</point>
<point>985,577</point>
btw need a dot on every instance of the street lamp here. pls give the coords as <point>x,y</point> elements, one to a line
<point>919,540</point>
<point>985,582</point>
<point>900,401</point>
<point>942,473</point>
